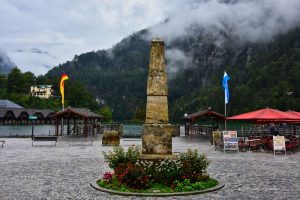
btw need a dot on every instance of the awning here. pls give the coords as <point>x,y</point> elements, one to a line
<point>267,115</point>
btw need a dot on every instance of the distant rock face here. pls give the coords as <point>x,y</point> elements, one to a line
<point>157,86</point>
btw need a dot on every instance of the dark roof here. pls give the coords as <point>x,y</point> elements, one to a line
<point>45,112</point>
<point>17,111</point>
<point>77,112</point>
<point>4,103</point>
<point>204,113</point>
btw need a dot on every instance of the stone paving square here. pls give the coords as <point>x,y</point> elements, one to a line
<point>64,172</point>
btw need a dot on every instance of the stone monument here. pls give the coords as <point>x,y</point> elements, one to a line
<point>157,132</point>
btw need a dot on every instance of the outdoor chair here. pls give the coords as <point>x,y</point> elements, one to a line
<point>269,145</point>
<point>243,144</point>
<point>254,145</point>
<point>290,145</point>
<point>264,144</point>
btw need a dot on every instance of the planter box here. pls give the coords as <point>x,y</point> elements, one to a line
<point>111,138</point>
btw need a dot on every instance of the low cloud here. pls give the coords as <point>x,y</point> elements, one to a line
<point>245,20</point>
<point>176,60</point>
<point>5,62</point>
<point>38,51</point>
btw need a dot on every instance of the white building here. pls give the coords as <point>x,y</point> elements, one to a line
<point>41,91</point>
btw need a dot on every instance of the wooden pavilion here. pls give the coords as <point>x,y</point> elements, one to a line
<point>76,117</point>
<point>209,116</point>
<point>13,116</point>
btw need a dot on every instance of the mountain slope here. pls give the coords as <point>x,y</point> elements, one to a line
<point>261,74</point>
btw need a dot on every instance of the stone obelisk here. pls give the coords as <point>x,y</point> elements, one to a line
<point>157,132</point>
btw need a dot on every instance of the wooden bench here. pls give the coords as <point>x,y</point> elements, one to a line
<point>3,141</point>
<point>80,141</point>
<point>44,138</point>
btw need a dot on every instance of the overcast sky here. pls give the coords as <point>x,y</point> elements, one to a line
<point>39,34</point>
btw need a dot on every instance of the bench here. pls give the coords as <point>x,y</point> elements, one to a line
<point>80,141</point>
<point>3,141</point>
<point>44,138</point>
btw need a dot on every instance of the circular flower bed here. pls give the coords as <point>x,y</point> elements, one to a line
<point>131,174</point>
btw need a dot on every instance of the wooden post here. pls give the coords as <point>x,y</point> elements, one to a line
<point>85,129</point>
<point>56,126</point>
<point>68,128</point>
<point>74,120</point>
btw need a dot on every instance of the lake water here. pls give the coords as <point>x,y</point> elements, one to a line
<point>25,131</point>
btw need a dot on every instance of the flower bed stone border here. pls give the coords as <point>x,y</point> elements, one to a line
<point>97,187</point>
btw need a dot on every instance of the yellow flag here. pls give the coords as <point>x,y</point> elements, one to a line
<point>62,87</point>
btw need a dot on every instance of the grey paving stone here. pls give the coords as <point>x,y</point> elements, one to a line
<point>63,172</point>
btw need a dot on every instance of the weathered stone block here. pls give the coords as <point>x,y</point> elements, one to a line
<point>175,130</point>
<point>157,110</point>
<point>157,139</point>
<point>157,84</point>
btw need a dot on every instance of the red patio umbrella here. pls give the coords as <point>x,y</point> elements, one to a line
<point>266,115</point>
<point>294,115</point>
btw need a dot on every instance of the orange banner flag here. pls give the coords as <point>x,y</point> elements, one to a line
<point>62,87</point>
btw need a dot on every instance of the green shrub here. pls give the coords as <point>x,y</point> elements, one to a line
<point>193,165</point>
<point>132,176</point>
<point>186,185</point>
<point>180,173</point>
<point>162,171</point>
<point>117,156</point>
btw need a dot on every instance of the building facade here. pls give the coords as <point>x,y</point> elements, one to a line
<point>42,91</point>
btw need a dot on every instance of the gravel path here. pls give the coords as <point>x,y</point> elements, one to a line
<point>63,172</point>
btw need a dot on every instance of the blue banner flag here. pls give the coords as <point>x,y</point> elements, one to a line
<point>225,86</point>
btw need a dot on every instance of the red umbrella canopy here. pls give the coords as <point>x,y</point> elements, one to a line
<point>293,114</point>
<point>267,114</point>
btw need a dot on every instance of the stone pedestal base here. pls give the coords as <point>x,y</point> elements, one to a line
<point>157,139</point>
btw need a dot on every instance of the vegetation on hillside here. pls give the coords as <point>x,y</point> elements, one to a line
<point>16,87</point>
<point>262,75</point>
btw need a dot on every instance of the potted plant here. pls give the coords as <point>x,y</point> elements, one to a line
<point>111,138</point>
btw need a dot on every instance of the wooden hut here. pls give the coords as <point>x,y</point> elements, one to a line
<point>73,117</point>
<point>209,116</point>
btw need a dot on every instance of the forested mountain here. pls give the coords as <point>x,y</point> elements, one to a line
<point>5,63</point>
<point>263,74</point>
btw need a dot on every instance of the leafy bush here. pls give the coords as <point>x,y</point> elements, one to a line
<point>118,156</point>
<point>129,169</point>
<point>163,171</point>
<point>193,165</point>
<point>186,185</point>
<point>107,176</point>
<point>133,176</point>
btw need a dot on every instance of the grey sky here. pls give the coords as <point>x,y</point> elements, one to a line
<point>39,34</point>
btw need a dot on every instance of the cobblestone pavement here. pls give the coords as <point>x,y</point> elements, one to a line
<point>64,172</point>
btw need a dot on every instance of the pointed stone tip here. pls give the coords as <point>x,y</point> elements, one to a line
<point>157,40</point>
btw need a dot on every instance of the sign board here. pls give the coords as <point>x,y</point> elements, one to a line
<point>278,143</point>
<point>230,140</point>
<point>32,117</point>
